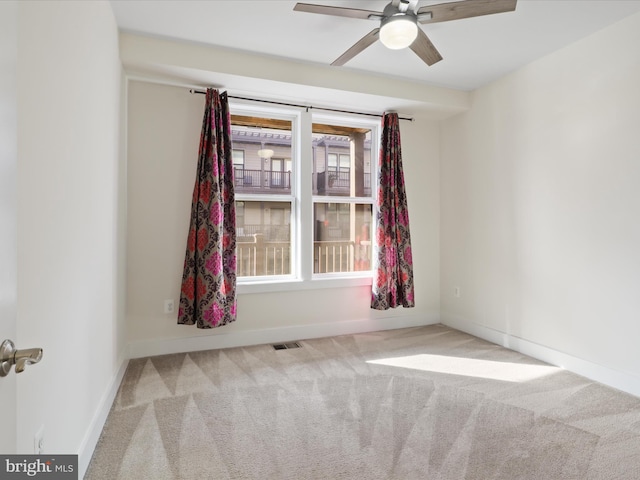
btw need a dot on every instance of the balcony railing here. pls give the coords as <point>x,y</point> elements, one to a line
<point>326,183</point>
<point>260,180</point>
<point>330,257</point>
<point>338,183</point>
<point>258,257</point>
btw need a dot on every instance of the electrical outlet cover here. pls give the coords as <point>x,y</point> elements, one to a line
<point>168,306</point>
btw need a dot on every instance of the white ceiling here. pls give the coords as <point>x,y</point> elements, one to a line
<point>475,50</point>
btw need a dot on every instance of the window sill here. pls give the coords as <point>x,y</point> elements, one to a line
<point>291,284</point>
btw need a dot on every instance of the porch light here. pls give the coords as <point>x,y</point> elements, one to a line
<point>398,31</point>
<point>265,153</point>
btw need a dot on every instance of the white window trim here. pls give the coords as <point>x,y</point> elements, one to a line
<point>302,201</point>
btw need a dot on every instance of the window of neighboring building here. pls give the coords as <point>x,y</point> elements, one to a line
<point>240,217</point>
<point>238,165</point>
<point>280,173</point>
<point>238,158</point>
<point>338,168</point>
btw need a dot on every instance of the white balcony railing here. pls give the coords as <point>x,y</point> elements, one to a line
<point>261,258</point>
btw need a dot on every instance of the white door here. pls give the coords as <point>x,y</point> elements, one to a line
<point>8,213</point>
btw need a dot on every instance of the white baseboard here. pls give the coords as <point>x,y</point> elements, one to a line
<point>623,381</point>
<point>208,341</point>
<point>88,445</point>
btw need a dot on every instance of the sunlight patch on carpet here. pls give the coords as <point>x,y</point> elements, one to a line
<point>470,367</point>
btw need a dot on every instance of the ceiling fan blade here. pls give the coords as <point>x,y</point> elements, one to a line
<point>423,47</point>
<point>444,12</point>
<point>337,11</point>
<point>359,46</point>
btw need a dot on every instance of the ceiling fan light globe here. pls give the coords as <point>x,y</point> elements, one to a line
<point>398,32</point>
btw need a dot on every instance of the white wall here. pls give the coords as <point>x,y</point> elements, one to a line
<point>164,126</point>
<point>540,207</point>
<point>8,221</point>
<point>69,77</point>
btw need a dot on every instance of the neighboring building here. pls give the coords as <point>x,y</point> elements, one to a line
<point>332,163</point>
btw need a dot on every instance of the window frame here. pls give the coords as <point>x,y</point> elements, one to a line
<point>352,122</point>
<point>302,199</point>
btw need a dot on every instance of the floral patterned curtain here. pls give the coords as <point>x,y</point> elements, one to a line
<point>208,294</point>
<point>393,268</point>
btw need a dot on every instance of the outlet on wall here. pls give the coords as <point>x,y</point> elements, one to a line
<point>168,306</point>
<point>456,292</point>
<point>38,441</point>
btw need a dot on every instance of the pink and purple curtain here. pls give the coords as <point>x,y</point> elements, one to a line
<point>393,268</point>
<point>208,294</point>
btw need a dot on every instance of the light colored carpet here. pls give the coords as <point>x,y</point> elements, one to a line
<point>418,403</point>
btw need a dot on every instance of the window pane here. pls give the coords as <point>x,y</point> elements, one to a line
<point>266,147</point>
<point>238,158</point>
<point>342,237</point>
<point>341,161</point>
<point>264,238</point>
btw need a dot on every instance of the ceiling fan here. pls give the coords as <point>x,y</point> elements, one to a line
<point>399,23</point>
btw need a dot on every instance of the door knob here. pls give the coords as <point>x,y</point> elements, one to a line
<point>9,356</point>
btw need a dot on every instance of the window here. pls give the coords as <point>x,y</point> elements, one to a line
<point>338,168</point>
<point>240,218</point>
<point>304,200</point>
<point>342,233</point>
<point>264,200</point>
<point>264,248</point>
<point>238,158</point>
<point>280,173</point>
<point>238,166</point>
<point>342,226</point>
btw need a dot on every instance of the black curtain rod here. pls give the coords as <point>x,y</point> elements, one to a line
<point>307,107</point>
